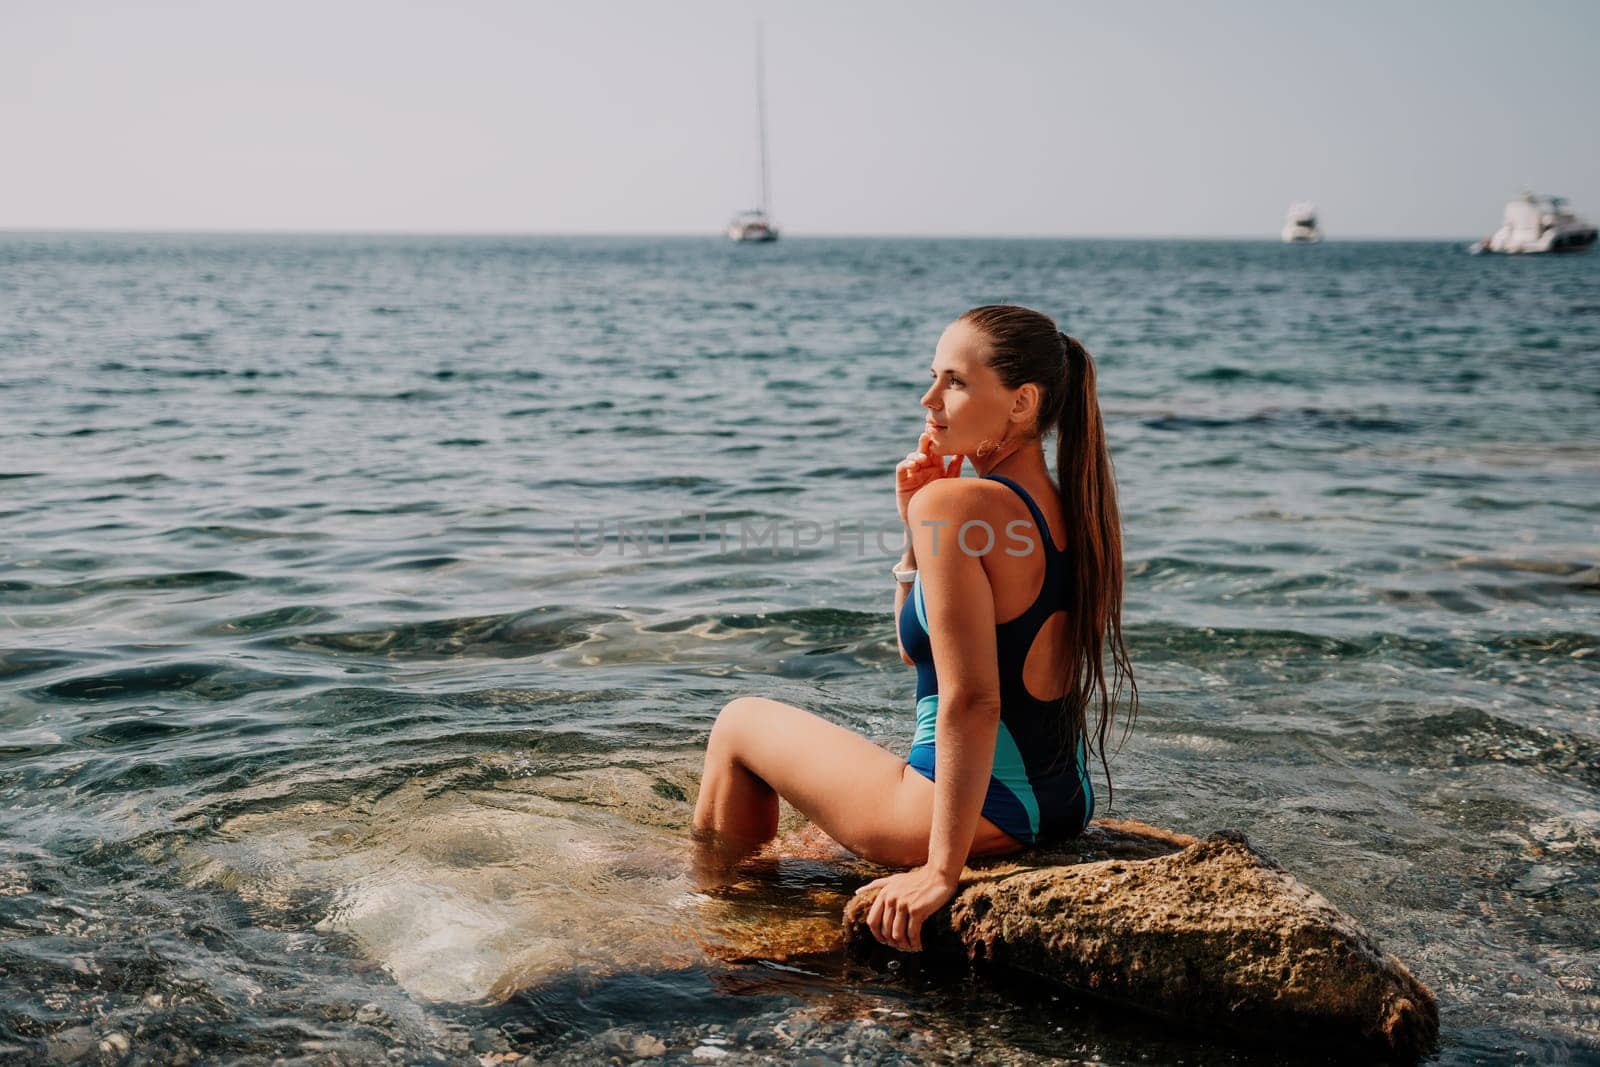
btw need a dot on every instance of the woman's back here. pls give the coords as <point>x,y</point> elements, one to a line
<point>1041,786</point>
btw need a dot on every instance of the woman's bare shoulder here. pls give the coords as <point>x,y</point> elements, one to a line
<point>957,498</point>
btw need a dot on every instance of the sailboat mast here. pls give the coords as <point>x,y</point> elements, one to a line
<point>761,116</point>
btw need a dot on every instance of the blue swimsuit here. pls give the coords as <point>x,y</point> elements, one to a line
<point>1039,788</point>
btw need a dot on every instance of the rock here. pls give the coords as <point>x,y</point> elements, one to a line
<point>453,1042</point>
<point>71,1046</point>
<point>1209,931</point>
<point>115,1043</point>
<point>489,1039</point>
<point>646,1046</point>
<point>632,1046</point>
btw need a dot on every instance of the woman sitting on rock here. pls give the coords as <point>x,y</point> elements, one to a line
<point>1009,605</point>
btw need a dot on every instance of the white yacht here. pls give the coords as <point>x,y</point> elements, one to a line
<point>1300,227</point>
<point>752,227</point>
<point>1538,224</point>
<point>756,226</point>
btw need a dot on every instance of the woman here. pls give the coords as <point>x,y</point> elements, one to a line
<point>1007,599</point>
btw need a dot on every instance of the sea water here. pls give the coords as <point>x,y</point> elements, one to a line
<point>365,604</point>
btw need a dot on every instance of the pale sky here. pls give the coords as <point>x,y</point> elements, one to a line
<point>1399,119</point>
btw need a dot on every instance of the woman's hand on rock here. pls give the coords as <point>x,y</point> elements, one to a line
<point>918,469</point>
<point>903,903</point>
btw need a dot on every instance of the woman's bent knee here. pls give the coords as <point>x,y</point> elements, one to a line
<point>732,741</point>
<point>740,708</point>
<point>735,717</point>
<point>727,718</point>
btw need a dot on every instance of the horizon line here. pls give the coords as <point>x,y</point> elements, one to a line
<point>140,231</point>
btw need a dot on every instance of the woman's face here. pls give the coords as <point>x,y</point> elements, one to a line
<point>969,409</point>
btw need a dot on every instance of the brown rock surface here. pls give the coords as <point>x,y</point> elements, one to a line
<point>1210,931</point>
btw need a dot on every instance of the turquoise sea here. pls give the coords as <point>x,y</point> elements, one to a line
<point>365,603</point>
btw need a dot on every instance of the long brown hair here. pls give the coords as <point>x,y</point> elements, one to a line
<point>1027,347</point>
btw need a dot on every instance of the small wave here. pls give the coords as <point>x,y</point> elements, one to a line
<point>1245,374</point>
<point>1479,502</point>
<point>21,592</point>
<point>1476,653</point>
<point>415,507</point>
<point>421,563</point>
<point>208,681</point>
<point>161,370</point>
<point>1511,581</point>
<point>813,624</point>
<point>848,473</point>
<point>1479,597</point>
<point>1472,735</point>
<point>257,513</point>
<point>1158,568</point>
<point>20,662</point>
<point>1372,491</point>
<point>83,431</point>
<point>667,481</point>
<point>131,733</point>
<point>170,580</point>
<point>1297,419</point>
<point>527,633</point>
<point>1586,571</point>
<point>229,534</point>
<point>518,374</point>
<point>276,619</point>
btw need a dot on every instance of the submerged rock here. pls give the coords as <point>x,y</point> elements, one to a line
<point>1211,931</point>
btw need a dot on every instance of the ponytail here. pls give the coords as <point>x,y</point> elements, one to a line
<point>1093,525</point>
<point>1027,347</point>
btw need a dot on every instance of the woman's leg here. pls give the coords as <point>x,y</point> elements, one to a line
<point>861,795</point>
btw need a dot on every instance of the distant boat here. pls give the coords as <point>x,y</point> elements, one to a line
<point>752,227</point>
<point>1538,224</point>
<point>1300,227</point>
<point>755,226</point>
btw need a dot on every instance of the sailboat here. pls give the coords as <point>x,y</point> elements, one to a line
<point>755,226</point>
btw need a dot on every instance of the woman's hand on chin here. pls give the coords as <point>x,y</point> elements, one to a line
<point>904,902</point>
<point>919,468</point>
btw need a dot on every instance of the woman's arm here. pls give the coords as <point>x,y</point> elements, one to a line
<point>908,561</point>
<point>960,607</point>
